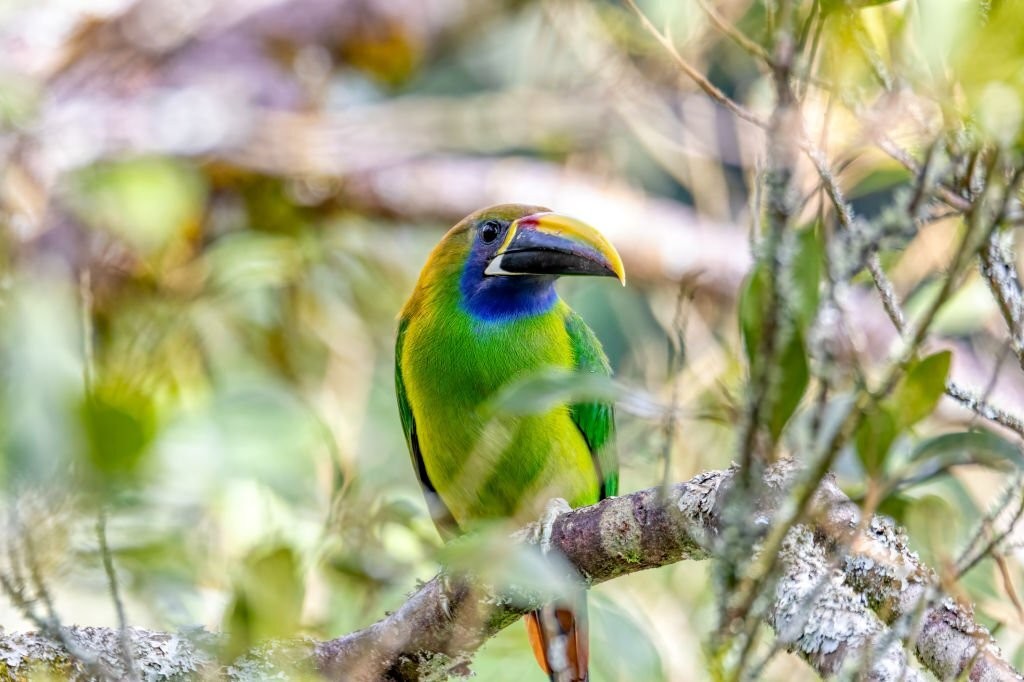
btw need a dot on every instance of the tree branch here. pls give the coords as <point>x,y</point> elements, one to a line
<point>1003,281</point>
<point>823,614</point>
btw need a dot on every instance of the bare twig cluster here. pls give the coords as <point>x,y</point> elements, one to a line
<point>962,175</point>
<point>24,582</point>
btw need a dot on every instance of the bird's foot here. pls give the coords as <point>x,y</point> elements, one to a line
<point>555,507</point>
<point>446,589</point>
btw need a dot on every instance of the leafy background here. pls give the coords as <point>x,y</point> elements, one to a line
<point>210,214</point>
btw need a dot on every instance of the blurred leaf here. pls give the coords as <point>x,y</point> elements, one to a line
<point>262,432</point>
<point>376,547</point>
<point>921,388</point>
<point>269,207</point>
<point>164,557</point>
<point>550,387</point>
<point>40,380</point>
<point>791,383</point>
<point>914,398</point>
<point>751,310</point>
<point>930,516</point>
<point>119,426</point>
<point>806,270</point>
<point>969,447</point>
<point>149,202</point>
<point>792,368</point>
<point>246,261</point>
<point>519,569</point>
<point>615,630</point>
<point>884,177</point>
<point>874,439</point>
<point>941,515</point>
<point>896,507</point>
<point>19,99</point>
<point>367,566</point>
<point>267,601</point>
<point>965,312</point>
<point>1018,657</point>
<point>387,52</point>
<point>987,58</point>
<point>808,263</point>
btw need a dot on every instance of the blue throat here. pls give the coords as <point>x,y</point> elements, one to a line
<point>502,298</point>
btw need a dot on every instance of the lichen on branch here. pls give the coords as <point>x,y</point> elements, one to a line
<point>836,602</point>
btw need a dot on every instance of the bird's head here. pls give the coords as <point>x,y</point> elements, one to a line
<point>510,255</point>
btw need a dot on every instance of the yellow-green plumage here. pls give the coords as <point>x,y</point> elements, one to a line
<point>450,364</point>
<point>486,466</point>
<point>464,335</point>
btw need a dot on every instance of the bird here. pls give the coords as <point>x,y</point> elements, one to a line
<point>483,314</point>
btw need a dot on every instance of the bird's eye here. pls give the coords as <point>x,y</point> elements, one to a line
<point>490,230</point>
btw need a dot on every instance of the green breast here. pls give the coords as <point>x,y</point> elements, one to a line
<point>483,465</point>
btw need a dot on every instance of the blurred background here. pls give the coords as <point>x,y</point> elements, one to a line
<point>211,213</point>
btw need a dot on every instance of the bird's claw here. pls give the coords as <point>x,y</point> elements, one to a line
<point>555,507</point>
<point>446,589</point>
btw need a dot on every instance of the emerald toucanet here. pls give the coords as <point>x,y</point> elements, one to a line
<point>485,313</point>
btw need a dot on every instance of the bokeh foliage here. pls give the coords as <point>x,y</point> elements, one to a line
<point>202,256</point>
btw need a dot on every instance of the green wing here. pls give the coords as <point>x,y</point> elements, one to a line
<point>595,420</point>
<point>443,519</point>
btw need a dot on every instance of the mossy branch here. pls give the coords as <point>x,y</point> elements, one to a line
<point>840,609</point>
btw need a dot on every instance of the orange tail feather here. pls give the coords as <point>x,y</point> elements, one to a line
<point>559,637</point>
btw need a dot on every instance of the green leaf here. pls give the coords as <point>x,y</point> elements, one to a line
<point>896,507</point>
<point>267,604</point>
<point>791,383</point>
<point>149,202</point>
<point>487,554</point>
<point>943,514</point>
<point>920,390</point>
<point>807,266</point>
<point>791,361</point>
<point>969,447</point>
<point>618,627</point>
<point>875,438</point>
<point>1018,657</point>
<point>885,177</point>
<point>119,426</point>
<point>964,312</point>
<point>751,309</point>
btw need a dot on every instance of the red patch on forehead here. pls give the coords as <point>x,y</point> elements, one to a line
<point>531,220</point>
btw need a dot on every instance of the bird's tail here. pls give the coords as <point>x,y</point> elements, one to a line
<point>559,635</point>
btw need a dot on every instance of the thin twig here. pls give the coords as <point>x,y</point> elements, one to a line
<point>804,492</point>
<point>49,624</point>
<point>1000,273</point>
<point>966,562</point>
<point>1007,578</point>
<point>127,658</point>
<point>864,404</point>
<point>863,42</point>
<point>735,34</point>
<point>677,360</point>
<point>709,88</point>
<point>966,396</point>
<point>817,18</point>
<point>975,403</point>
<point>785,128</point>
<point>945,194</point>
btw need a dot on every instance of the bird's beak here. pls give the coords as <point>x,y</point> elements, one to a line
<point>553,244</point>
